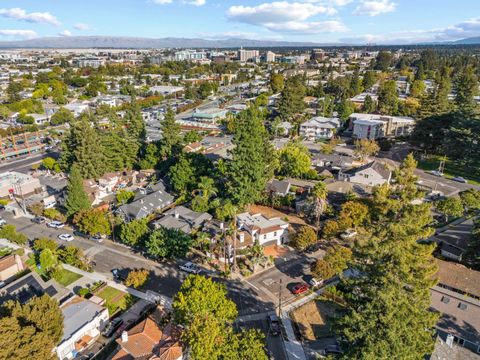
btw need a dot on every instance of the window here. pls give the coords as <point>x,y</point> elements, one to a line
<point>462,306</point>
<point>264,237</point>
<point>275,233</point>
<point>458,340</point>
<point>445,299</point>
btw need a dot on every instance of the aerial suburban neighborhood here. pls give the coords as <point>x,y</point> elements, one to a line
<point>235,199</point>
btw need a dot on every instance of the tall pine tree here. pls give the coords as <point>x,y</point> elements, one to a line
<point>171,139</point>
<point>77,199</point>
<point>252,163</point>
<point>388,300</point>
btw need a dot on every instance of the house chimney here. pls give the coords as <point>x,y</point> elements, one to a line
<point>124,336</point>
<point>221,225</point>
<point>176,214</point>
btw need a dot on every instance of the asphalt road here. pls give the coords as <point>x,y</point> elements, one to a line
<point>23,164</point>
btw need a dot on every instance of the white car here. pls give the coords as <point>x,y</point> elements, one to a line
<point>2,221</point>
<point>190,268</point>
<point>436,173</point>
<point>56,224</point>
<point>66,237</point>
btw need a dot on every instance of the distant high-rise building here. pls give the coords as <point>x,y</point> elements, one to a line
<point>318,54</point>
<point>245,55</point>
<point>270,56</point>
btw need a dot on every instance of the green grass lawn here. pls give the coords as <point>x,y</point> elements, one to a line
<point>116,300</point>
<point>66,277</point>
<point>451,169</point>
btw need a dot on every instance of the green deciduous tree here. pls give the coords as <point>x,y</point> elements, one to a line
<point>168,243</point>
<point>93,221</point>
<point>135,232</point>
<point>62,116</point>
<point>470,199</point>
<point>451,206</point>
<point>77,198</point>
<point>304,237</point>
<point>294,160</point>
<point>277,82</point>
<point>9,232</point>
<point>137,278</point>
<point>365,148</point>
<point>124,196</point>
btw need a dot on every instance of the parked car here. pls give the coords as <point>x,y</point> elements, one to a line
<point>300,288</point>
<point>315,282</point>
<point>331,350</point>
<point>2,221</point>
<point>112,327</point>
<point>66,237</point>
<point>97,238</point>
<point>2,284</point>
<point>55,224</point>
<point>274,325</point>
<point>80,234</point>
<point>190,268</point>
<point>38,220</point>
<point>118,274</point>
<point>460,179</point>
<point>436,173</point>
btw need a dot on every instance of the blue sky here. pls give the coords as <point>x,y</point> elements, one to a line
<point>358,21</point>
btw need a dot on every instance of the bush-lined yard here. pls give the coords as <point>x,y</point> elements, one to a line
<point>115,299</point>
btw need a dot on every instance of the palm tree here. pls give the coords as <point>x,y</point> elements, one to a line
<point>318,197</point>
<point>205,188</point>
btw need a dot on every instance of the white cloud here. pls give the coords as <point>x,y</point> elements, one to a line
<point>65,33</point>
<point>34,17</point>
<point>197,2</point>
<point>229,35</point>
<point>82,26</point>
<point>284,16</point>
<point>462,30</point>
<point>162,2</point>
<point>374,8</point>
<point>18,34</point>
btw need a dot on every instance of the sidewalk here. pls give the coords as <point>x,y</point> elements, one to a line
<point>149,296</point>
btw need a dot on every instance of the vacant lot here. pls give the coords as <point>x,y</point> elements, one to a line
<point>66,277</point>
<point>314,319</point>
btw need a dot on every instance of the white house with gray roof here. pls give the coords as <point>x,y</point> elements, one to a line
<point>371,174</point>
<point>257,227</point>
<point>82,322</point>
<point>319,128</point>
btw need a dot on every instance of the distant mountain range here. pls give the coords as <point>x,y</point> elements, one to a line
<point>117,42</point>
<point>74,42</point>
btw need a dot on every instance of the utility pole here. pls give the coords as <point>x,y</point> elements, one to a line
<point>280,298</point>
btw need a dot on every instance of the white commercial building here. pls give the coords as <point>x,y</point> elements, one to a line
<point>245,55</point>
<point>373,126</point>
<point>189,55</point>
<point>13,182</point>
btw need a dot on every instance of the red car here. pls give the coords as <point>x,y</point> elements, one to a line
<point>300,289</point>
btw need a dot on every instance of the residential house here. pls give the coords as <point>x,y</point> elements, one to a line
<point>10,265</point>
<point>12,182</point>
<point>82,322</point>
<point>31,285</point>
<point>146,201</point>
<point>457,298</point>
<point>278,187</point>
<point>284,128</point>
<point>371,174</point>
<point>374,126</point>
<point>183,219</point>
<point>319,128</point>
<point>149,341</point>
<point>453,243</point>
<point>257,227</point>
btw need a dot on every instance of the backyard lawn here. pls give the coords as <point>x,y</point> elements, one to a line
<point>115,299</point>
<point>314,319</point>
<point>66,277</point>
